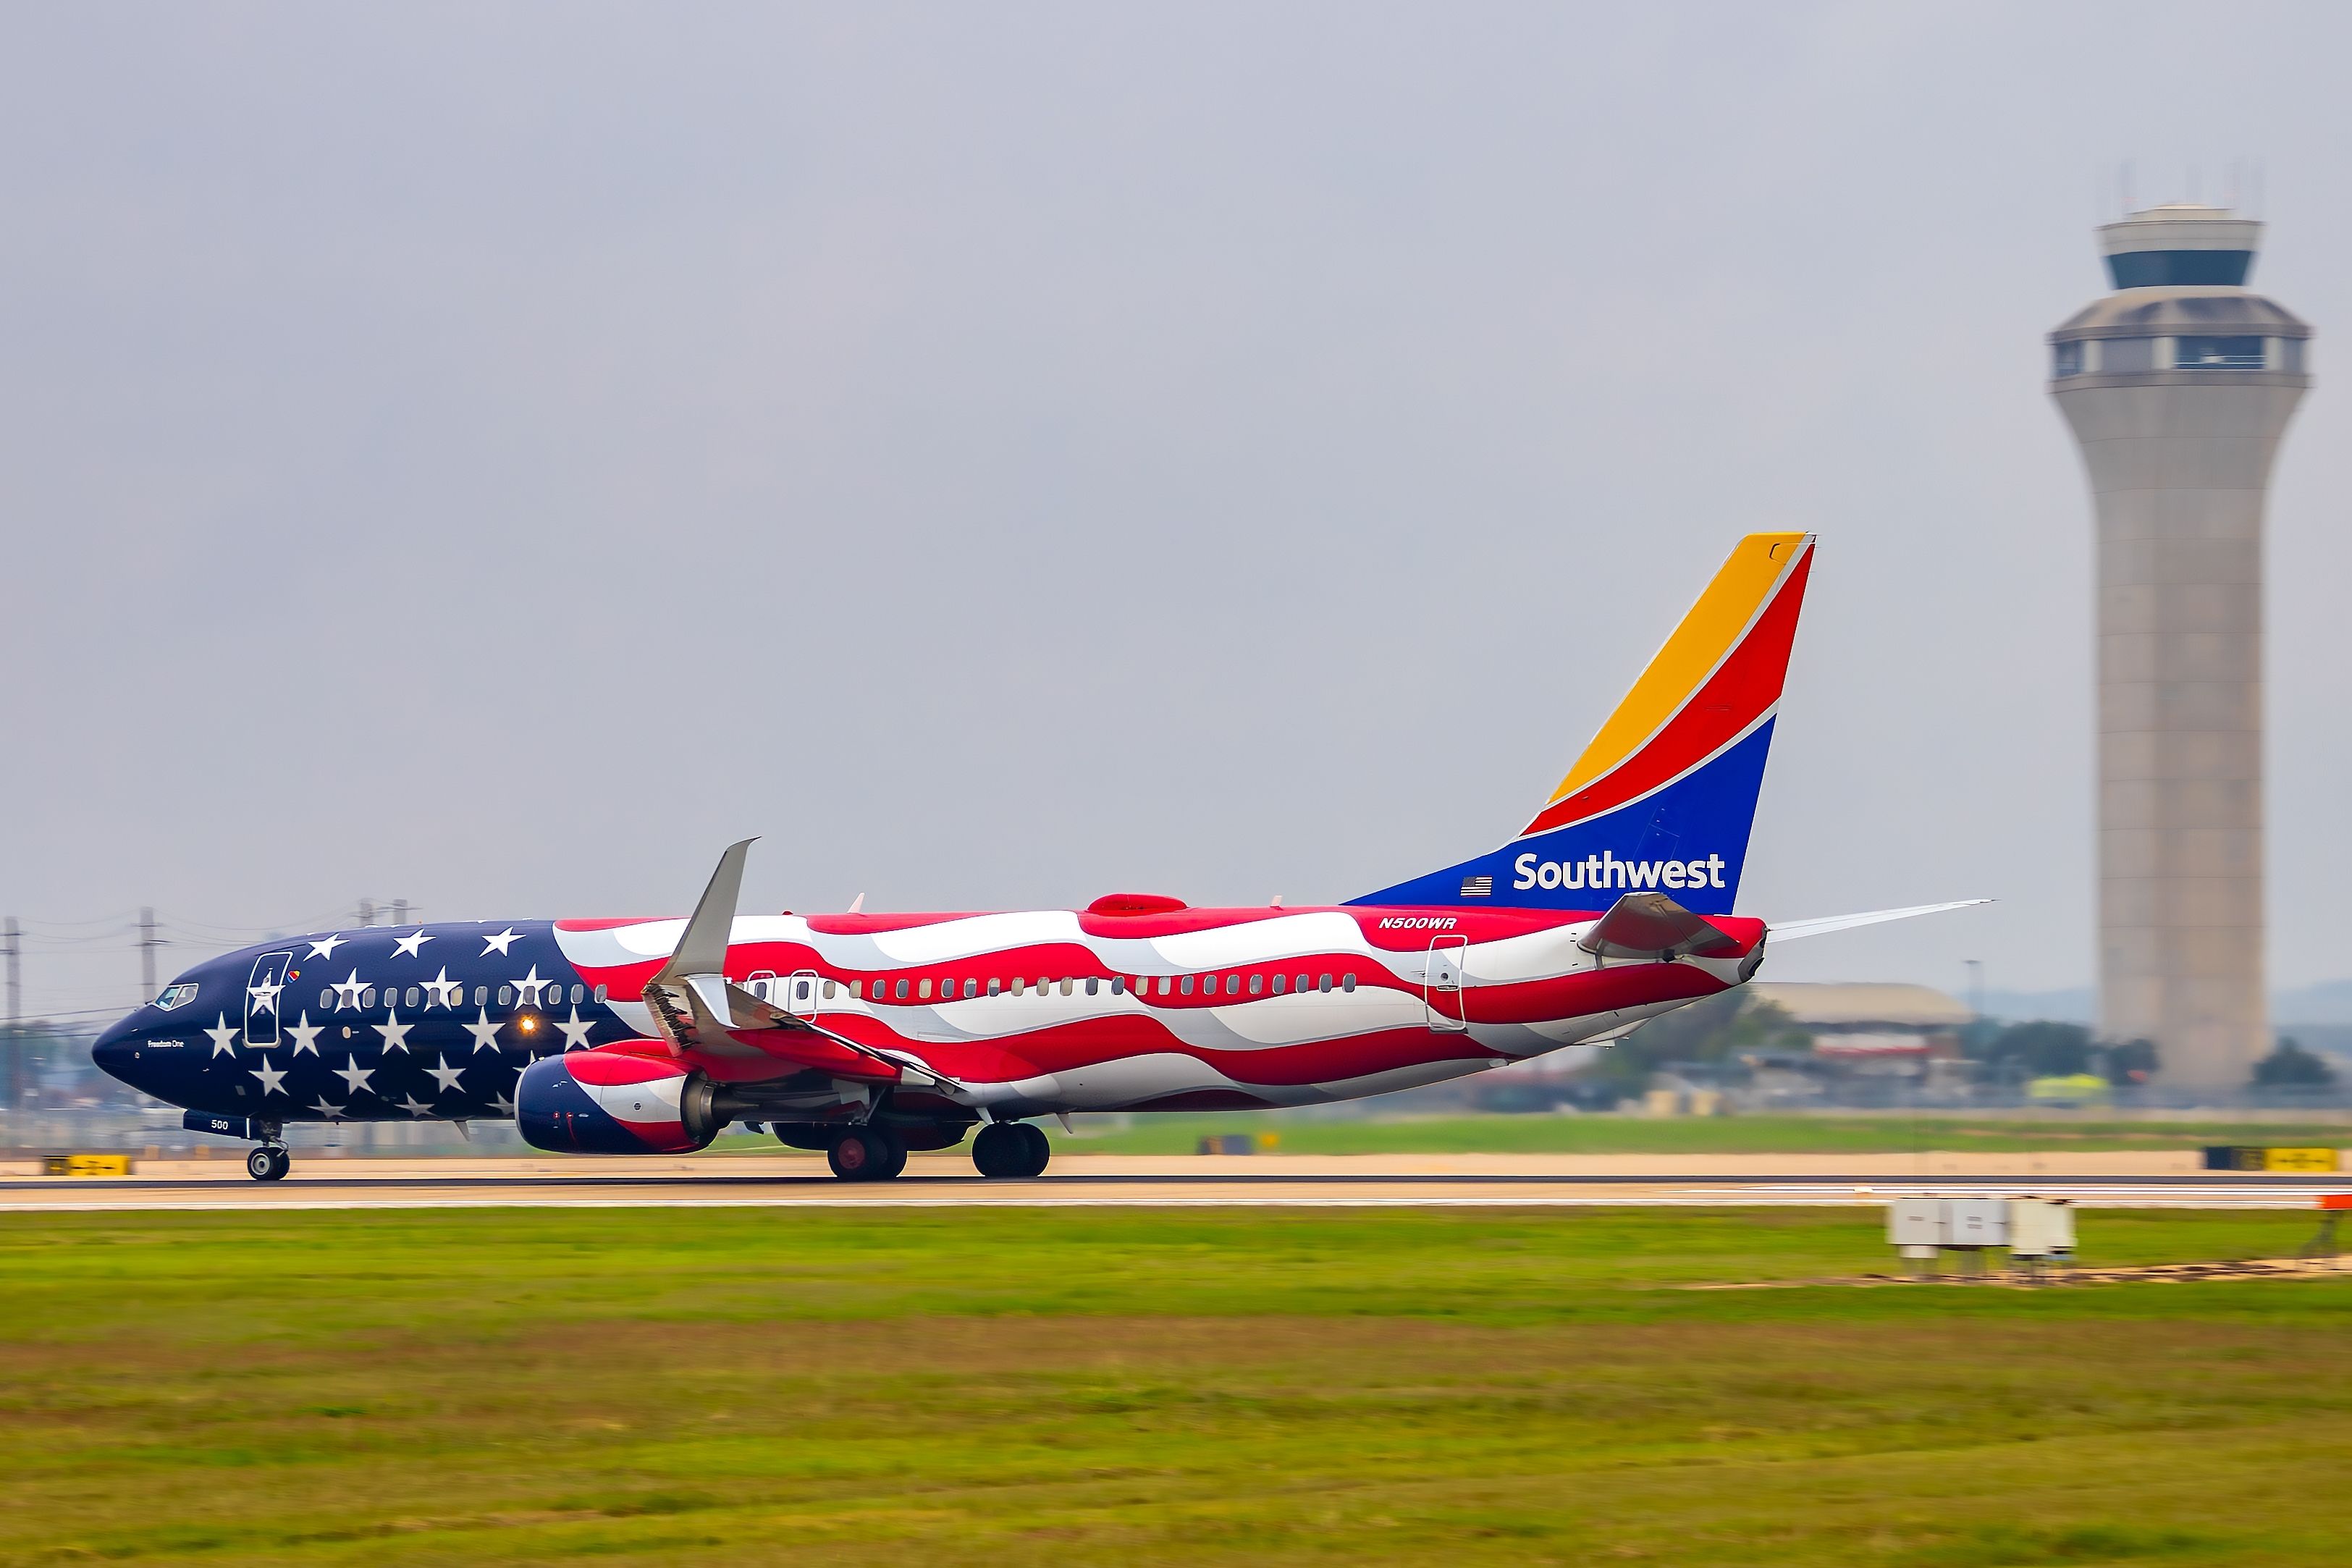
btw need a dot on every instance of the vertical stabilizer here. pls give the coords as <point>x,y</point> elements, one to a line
<point>1665,795</point>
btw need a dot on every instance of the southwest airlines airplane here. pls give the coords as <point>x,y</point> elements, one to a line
<point>870,1035</point>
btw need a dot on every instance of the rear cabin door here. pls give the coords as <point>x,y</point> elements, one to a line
<point>1442,984</point>
<point>264,995</point>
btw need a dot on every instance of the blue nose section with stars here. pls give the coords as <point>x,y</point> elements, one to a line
<point>378,1024</point>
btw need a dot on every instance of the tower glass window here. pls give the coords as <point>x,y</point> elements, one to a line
<point>2217,353</point>
<point>2066,359</point>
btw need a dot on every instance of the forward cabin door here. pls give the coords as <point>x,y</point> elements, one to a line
<point>265,997</point>
<point>1441,988</point>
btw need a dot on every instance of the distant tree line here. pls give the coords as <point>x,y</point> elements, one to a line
<point>1726,1028</point>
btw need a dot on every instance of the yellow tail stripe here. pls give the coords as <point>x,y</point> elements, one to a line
<point>1698,645</point>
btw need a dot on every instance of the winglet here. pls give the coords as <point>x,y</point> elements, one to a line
<point>702,947</point>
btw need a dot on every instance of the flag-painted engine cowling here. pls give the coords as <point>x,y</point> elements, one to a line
<point>613,1102</point>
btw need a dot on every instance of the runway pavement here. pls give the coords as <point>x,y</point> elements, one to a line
<point>2092,1181</point>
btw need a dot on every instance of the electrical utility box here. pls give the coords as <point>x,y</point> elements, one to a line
<point>2041,1227</point>
<point>1916,1222</point>
<point>1976,1222</point>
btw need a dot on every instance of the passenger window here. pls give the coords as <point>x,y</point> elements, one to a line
<point>481,995</point>
<point>327,1000</point>
<point>575,995</point>
<point>1091,984</point>
<point>1323,982</point>
<point>1067,986</point>
<point>1118,984</point>
<point>1302,984</point>
<point>1185,985</point>
<point>1347,983</point>
<point>506,995</point>
<point>923,992</point>
<point>971,989</point>
<point>995,987</point>
<point>1232,985</point>
<point>600,994</point>
<point>1257,985</point>
<point>829,989</point>
<point>857,989</point>
<point>412,997</point>
<point>1281,983</point>
<point>902,991</point>
<point>1163,986</point>
<point>367,997</point>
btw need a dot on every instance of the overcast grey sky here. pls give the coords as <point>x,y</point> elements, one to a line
<point>495,455</point>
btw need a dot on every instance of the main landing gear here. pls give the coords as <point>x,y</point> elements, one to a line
<point>1010,1149</point>
<point>867,1153</point>
<point>269,1162</point>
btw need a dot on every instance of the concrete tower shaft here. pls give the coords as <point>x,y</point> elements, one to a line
<point>2179,386</point>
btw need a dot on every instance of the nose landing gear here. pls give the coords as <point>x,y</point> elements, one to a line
<point>1010,1149</point>
<point>269,1162</point>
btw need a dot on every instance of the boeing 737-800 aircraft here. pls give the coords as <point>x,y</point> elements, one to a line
<point>871,1034</point>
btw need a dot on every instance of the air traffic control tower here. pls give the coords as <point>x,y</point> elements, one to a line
<point>2179,386</point>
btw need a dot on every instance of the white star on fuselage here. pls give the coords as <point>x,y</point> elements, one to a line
<point>347,991</point>
<point>408,946</point>
<point>305,1035</point>
<point>356,1076</point>
<point>445,1075</point>
<point>531,985</point>
<point>394,1032</point>
<point>501,942</point>
<point>575,1033</point>
<point>269,1077</point>
<point>331,1112</point>
<point>325,947</point>
<point>224,1038</point>
<point>485,1033</point>
<point>265,997</point>
<point>442,991</point>
<point>414,1108</point>
<point>502,1105</point>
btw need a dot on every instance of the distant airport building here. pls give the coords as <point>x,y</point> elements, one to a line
<point>2179,386</point>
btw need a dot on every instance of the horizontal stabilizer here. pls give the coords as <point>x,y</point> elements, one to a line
<point>1795,930</point>
<point>1653,926</point>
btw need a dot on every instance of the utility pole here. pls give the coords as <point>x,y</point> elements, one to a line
<point>16,942</point>
<point>148,943</point>
<point>367,911</point>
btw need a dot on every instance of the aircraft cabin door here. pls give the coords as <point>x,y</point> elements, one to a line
<point>1442,984</point>
<point>800,993</point>
<point>265,997</point>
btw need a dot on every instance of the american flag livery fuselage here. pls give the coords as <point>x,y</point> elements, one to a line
<point>871,1034</point>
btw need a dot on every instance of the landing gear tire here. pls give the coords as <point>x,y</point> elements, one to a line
<point>867,1154</point>
<point>1010,1149</point>
<point>268,1163</point>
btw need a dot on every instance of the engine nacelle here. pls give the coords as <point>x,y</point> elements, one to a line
<point>613,1102</point>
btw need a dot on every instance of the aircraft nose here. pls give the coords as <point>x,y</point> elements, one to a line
<point>112,1053</point>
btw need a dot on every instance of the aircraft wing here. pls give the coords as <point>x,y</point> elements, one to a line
<point>1797,930</point>
<point>695,1004</point>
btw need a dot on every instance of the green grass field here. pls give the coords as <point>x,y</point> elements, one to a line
<point>1107,1385</point>
<point>1609,1135</point>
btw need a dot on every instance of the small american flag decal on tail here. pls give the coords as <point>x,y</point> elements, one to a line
<point>1477,887</point>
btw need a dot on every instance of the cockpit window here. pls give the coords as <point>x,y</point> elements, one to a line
<point>178,994</point>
